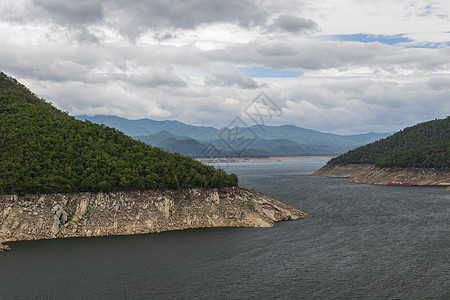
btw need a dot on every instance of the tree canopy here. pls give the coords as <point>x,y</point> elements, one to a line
<point>425,145</point>
<point>44,150</point>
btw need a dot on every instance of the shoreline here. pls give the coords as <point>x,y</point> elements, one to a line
<point>50,216</point>
<point>261,159</point>
<point>371,174</point>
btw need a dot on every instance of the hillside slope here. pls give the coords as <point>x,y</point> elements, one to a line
<point>44,151</point>
<point>417,155</point>
<point>425,145</point>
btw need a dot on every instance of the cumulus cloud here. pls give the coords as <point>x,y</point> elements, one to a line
<point>294,24</point>
<point>74,18</point>
<point>315,55</point>
<point>178,59</point>
<point>362,104</point>
<point>68,12</point>
<point>157,78</point>
<point>120,98</point>
<point>133,18</point>
<point>439,83</point>
<point>232,80</point>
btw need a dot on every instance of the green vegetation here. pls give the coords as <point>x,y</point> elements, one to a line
<point>44,150</point>
<point>425,145</point>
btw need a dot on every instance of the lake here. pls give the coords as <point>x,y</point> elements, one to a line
<point>361,241</point>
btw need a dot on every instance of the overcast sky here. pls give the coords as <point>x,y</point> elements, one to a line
<point>347,66</point>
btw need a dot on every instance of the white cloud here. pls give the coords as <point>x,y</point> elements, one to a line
<point>179,60</point>
<point>384,17</point>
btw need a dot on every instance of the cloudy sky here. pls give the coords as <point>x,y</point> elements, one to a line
<point>347,66</point>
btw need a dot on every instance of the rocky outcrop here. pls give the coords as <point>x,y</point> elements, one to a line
<point>34,217</point>
<point>4,247</point>
<point>371,174</point>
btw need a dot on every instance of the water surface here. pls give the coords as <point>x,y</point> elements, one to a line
<point>361,241</point>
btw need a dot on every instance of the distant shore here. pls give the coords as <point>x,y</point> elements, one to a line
<point>261,159</point>
<point>371,174</point>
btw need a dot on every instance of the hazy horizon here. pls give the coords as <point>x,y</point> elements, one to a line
<point>224,126</point>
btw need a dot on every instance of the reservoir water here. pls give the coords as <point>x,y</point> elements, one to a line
<point>361,242</point>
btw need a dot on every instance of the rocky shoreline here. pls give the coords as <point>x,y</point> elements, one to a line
<point>371,174</point>
<point>35,217</point>
<point>4,247</point>
<point>213,160</point>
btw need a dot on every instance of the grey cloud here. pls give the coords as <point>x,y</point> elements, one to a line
<point>52,63</point>
<point>72,17</point>
<point>439,83</point>
<point>69,12</point>
<point>112,98</point>
<point>317,55</point>
<point>293,24</point>
<point>232,80</point>
<point>96,63</point>
<point>344,106</point>
<point>362,105</point>
<point>132,18</point>
<point>164,36</point>
<point>157,78</point>
<point>273,49</point>
<point>311,55</point>
<point>83,35</point>
<point>85,75</point>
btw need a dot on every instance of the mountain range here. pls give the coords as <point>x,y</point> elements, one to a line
<point>253,141</point>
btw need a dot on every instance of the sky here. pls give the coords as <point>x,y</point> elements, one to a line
<point>346,67</point>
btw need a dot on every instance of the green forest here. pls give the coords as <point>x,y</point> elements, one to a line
<point>44,150</point>
<point>425,145</point>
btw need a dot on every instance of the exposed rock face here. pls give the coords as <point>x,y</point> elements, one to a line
<point>4,247</point>
<point>375,175</point>
<point>34,217</point>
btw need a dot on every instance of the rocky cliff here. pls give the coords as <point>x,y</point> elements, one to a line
<point>371,174</point>
<point>34,217</point>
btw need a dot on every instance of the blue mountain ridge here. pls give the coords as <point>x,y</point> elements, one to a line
<point>254,141</point>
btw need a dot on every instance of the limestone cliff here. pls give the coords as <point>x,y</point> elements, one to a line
<point>371,174</point>
<point>34,217</point>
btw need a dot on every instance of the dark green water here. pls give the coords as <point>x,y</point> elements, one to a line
<point>361,242</point>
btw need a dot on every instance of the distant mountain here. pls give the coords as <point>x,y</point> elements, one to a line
<point>257,140</point>
<point>363,139</point>
<point>184,145</point>
<point>159,139</point>
<point>146,126</point>
<point>425,145</point>
<point>304,136</point>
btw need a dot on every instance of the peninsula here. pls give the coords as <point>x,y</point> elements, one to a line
<point>417,155</point>
<point>61,177</point>
<point>35,217</point>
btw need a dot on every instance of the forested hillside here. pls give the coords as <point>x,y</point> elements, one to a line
<point>43,150</point>
<point>425,145</point>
